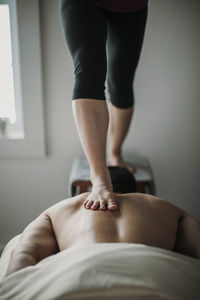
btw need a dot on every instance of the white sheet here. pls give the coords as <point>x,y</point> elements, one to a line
<point>104,271</point>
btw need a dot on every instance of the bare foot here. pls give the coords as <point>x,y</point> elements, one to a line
<point>118,161</point>
<point>101,198</point>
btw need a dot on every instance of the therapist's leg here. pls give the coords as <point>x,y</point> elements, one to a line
<point>124,44</point>
<point>85,32</point>
<point>92,119</point>
<point>119,124</point>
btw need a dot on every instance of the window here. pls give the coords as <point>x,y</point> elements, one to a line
<point>11,116</point>
<point>7,101</point>
<point>21,96</point>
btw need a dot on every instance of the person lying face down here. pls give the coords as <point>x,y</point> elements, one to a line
<point>141,218</point>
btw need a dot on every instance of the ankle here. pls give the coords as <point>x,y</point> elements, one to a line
<point>101,178</point>
<point>102,186</point>
<point>114,154</point>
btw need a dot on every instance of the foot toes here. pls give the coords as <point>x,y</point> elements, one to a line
<point>89,204</point>
<point>85,203</point>
<point>112,205</point>
<point>102,205</point>
<point>95,205</point>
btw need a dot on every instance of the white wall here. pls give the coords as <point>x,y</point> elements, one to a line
<point>165,125</point>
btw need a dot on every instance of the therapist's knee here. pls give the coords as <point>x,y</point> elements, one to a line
<point>121,94</point>
<point>89,76</point>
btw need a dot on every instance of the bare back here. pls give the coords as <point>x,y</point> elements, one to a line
<point>140,218</point>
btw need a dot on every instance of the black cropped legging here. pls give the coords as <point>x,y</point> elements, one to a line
<point>102,42</point>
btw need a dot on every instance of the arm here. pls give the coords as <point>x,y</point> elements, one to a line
<point>188,236</point>
<point>37,242</point>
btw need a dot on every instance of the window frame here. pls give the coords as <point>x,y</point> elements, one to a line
<point>26,51</point>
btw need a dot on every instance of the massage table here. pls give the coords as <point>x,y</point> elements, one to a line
<point>79,179</point>
<point>117,271</point>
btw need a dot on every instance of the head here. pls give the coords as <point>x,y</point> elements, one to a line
<point>122,180</point>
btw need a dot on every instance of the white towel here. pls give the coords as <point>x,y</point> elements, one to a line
<point>106,271</point>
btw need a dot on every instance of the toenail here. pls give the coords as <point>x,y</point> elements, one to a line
<point>102,208</point>
<point>95,205</point>
<point>89,204</point>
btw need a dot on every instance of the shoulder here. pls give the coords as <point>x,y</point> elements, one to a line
<point>141,197</point>
<point>154,201</point>
<point>68,202</point>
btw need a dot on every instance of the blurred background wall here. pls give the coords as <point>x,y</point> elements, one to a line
<point>165,127</point>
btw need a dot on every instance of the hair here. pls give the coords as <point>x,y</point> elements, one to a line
<point>123,181</point>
